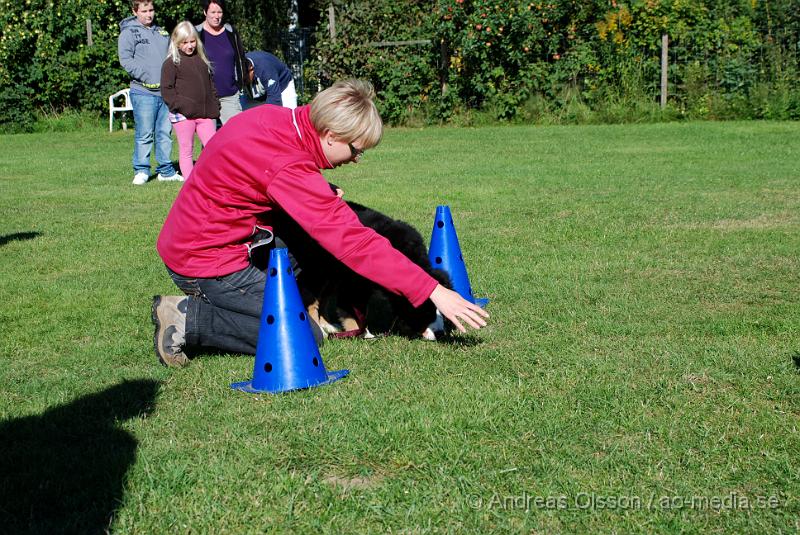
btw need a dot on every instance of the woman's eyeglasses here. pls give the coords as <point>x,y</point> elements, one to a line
<point>355,153</point>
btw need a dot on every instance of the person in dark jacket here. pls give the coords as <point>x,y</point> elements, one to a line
<point>189,92</point>
<point>271,81</point>
<point>226,53</point>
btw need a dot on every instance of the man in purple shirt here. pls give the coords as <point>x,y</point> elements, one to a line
<point>226,53</point>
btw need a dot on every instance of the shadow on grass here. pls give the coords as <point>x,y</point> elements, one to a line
<point>18,236</point>
<point>63,471</point>
<point>796,359</point>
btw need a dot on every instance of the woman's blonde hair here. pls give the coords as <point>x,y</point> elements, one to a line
<point>347,109</point>
<point>183,31</point>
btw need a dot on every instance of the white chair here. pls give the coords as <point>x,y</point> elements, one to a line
<point>126,106</point>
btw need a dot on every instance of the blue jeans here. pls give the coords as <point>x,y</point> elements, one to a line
<point>151,118</point>
<point>225,312</point>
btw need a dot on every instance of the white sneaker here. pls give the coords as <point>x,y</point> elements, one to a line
<point>140,178</point>
<point>176,176</point>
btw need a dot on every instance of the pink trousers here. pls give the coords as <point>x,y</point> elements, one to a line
<point>184,131</point>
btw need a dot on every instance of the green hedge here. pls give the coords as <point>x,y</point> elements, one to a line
<point>517,60</point>
<point>46,63</point>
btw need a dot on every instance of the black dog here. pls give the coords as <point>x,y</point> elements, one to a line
<point>340,299</point>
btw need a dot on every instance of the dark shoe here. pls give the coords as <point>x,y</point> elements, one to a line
<point>169,317</point>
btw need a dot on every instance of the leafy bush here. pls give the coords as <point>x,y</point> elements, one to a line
<point>521,60</point>
<point>16,110</point>
<point>405,76</point>
<point>44,48</point>
<point>460,61</point>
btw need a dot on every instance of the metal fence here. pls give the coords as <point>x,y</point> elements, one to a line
<point>295,48</point>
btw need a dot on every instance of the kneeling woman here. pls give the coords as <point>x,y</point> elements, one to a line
<point>270,158</point>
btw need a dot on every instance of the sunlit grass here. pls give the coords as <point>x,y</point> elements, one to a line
<point>638,363</point>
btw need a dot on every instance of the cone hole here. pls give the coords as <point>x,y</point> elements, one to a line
<point>302,316</point>
<point>267,367</point>
<point>437,260</point>
<point>289,270</point>
<point>440,224</point>
<point>273,272</point>
<point>270,319</point>
<point>315,362</point>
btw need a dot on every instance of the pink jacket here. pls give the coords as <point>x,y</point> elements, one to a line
<point>266,158</point>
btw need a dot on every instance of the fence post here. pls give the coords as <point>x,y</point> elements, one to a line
<point>88,32</point>
<point>444,74</point>
<point>294,15</point>
<point>664,66</point>
<point>332,23</point>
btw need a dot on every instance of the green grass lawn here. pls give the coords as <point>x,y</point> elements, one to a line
<point>637,374</point>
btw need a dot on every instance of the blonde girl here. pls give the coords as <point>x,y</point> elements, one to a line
<point>187,89</point>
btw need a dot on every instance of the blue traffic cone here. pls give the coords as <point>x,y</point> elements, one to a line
<point>445,254</point>
<point>287,357</point>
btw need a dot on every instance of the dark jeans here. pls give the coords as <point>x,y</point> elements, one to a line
<point>224,312</point>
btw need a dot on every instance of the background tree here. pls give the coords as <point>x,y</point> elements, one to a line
<point>563,60</point>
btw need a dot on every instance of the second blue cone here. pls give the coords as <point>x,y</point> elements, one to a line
<point>445,254</point>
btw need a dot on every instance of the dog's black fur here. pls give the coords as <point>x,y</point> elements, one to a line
<point>324,280</point>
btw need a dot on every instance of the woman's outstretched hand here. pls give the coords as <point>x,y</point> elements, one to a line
<point>457,309</point>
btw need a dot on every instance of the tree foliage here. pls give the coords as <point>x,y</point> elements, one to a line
<point>728,58</point>
<point>46,61</point>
